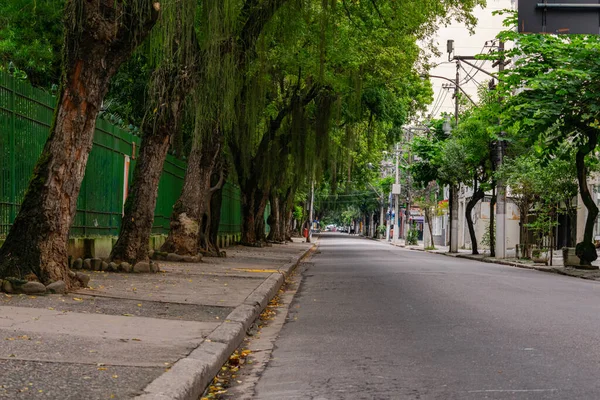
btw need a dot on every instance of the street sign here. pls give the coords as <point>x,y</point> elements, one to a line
<point>559,16</point>
<point>396,188</point>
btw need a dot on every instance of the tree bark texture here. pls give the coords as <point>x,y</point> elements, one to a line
<point>215,219</point>
<point>99,37</point>
<point>193,206</point>
<point>158,127</point>
<point>586,196</point>
<point>207,245</point>
<point>586,250</point>
<point>477,195</point>
<point>288,213</point>
<point>254,202</point>
<point>136,225</point>
<point>276,221</point>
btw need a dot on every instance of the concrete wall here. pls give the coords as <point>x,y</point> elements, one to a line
<point>100,247</point>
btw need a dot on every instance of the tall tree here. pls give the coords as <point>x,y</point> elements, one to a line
<point>229,31</point>
<point>561,75</point>
<point>99,36</point>
<point>176,73</point>
<point>339,46</point>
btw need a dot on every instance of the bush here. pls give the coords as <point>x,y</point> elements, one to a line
<point>412,237</point>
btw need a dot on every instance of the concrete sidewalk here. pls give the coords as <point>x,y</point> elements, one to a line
<point>557,266</point>
<point>146,336</point>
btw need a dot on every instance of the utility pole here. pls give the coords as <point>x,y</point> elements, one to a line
<point>453,189</point>
<point>397,197</point>
<point>408,187</point>
<point>501,188</point>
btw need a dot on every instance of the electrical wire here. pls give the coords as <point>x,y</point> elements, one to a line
<point>473,68</point>
<point>440,103</point>
<point>472,78</point>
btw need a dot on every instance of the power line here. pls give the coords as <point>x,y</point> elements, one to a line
<point>472,77</point>
<point>436,109</point>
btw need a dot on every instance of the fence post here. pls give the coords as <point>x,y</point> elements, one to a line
<point>12,145</point>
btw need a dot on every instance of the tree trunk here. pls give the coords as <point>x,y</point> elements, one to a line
<point>477,195</point>
<point>193,206</point>
<point>491,227</point>
<point>184,226</point>
<point>217,178</point>
<point>215,219</point>
<point>288,212</point>
<point>260,226</point>
<point>170,85</point>
<point>136,226</point>
<point>253,208</point>
<point>429,224</point>
<point>523,232</point>
<point>99,37</point>
<point>275,221</point>
<point>586,250</point>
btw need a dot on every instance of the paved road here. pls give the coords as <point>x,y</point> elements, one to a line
<point>376,322</point>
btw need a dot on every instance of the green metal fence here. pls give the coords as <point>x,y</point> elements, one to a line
<point>25,117</point>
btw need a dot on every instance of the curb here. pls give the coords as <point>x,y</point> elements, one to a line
<point>507,263</point>
<point>189,377</point>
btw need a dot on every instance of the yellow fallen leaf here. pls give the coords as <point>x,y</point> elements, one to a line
<point>115,376</point>
<point>270,271</point>
<point>102,369</point>
<point>77,299</point>
<point>139,304</point>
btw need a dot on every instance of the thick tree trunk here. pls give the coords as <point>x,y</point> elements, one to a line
<point>586,250</point>
<point>288,212</point>
<point>275,221</point>
<point>184,226</point>
<point>99,37</point>
<point>136,226</point>
<point>215,219</point>
<point>206,245</point>
<point>260,225</point>
<point>193,206</point>
<point>254,202</point>
<point>477,195</point>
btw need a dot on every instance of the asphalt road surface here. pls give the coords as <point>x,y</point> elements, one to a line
<point>372,321</point>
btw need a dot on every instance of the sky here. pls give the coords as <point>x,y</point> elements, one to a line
<point>488,26</point>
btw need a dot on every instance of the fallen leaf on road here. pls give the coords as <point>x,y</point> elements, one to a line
<point>77,299</point>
